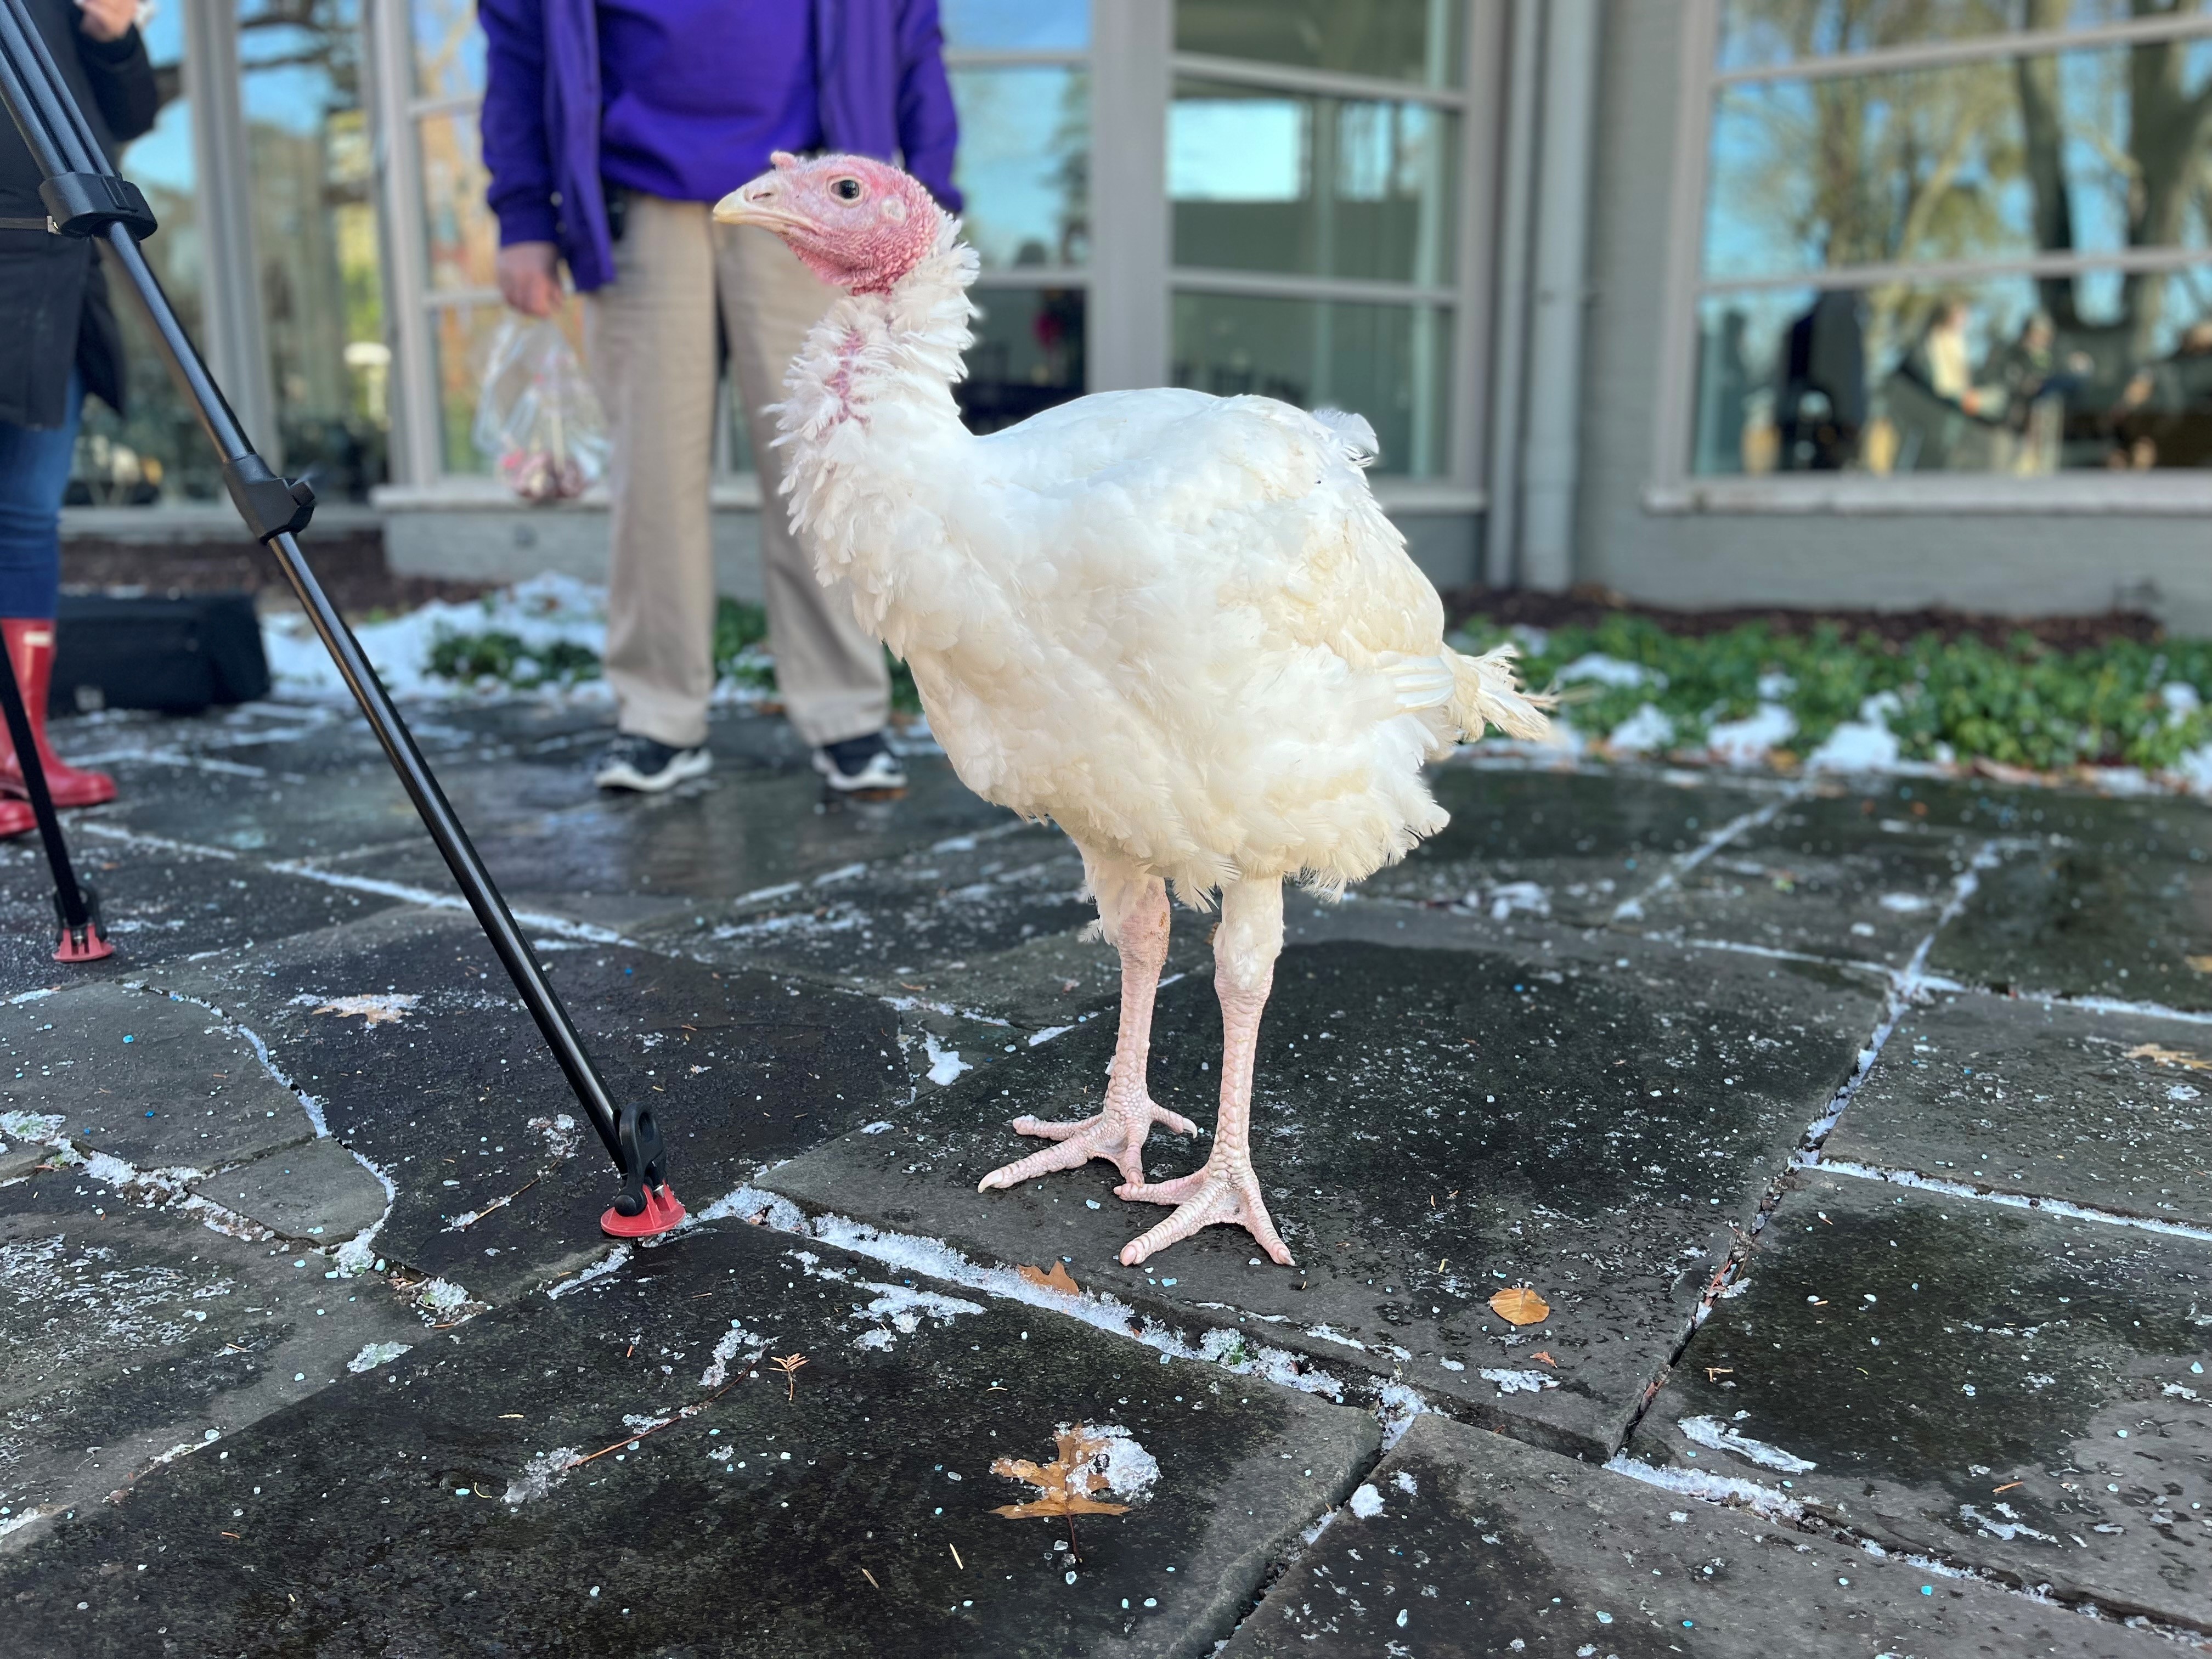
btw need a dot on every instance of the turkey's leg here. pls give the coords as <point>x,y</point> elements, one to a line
<point>1226,1190</point>
<point>1133,912</point>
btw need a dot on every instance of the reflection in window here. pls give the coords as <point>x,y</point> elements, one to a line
<point>1962,378</point>
<point>1016,25</point>
<point>1319,187</point>
<point>315,234</point>
<point>1759,33</point>
<point>449,49</point>
<point>158,454</point>
<point>1025,164</point>
<point>1415,40</point>
<point>1028,356</point>
<point>458,231</point>
<point>2083,152</point>
<point>1388,362</point>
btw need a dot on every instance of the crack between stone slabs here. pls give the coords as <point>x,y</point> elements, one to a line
<point>1632,909</point>
<point>2092,1005</point>
<point>2058,1206</point>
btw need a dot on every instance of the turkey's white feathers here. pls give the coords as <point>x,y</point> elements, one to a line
<point>1177,625</point>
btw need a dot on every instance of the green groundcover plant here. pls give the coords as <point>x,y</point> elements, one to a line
<point>502,659</point>
<point>2123,704</point>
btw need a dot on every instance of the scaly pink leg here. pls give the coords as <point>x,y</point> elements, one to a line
<point>1225,1188</point>
<point>1133,907</point>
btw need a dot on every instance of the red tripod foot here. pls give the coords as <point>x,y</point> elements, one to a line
<point>661,1214</point>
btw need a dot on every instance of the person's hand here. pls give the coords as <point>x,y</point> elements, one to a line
<point>528,277</point>
<point>106,21</point>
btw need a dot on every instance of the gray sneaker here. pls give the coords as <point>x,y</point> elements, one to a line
<point>858,766</point>
<point>640,764</point>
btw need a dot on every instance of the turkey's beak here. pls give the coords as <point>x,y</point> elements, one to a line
<point>760,202</point>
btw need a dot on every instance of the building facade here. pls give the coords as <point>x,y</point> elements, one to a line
<point>1845,302</point>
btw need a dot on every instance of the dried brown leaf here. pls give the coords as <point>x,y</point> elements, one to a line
<point>1065,1484</point>
<point>1058,1280</point>
<point>1520,1306</point>
<point>2202,965</point>
<point>2165,1056</point>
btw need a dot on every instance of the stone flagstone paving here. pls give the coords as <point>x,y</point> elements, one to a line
<point>1851,1130</point>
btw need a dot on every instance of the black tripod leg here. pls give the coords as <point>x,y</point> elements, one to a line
<point>77,909</point>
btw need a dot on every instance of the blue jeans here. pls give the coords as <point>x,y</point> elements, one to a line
<point>35,470</point>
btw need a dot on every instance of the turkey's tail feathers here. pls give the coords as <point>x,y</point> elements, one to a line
<point>1353,434</point>
<point>1487,691</point>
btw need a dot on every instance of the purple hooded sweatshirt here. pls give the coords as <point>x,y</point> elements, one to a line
<point>879,89</point>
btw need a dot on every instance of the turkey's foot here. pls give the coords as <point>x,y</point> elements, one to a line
<point>1215,1194</point>
<point>1117,1134</point>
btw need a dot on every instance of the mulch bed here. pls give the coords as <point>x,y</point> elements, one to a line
<point>1588,605</point>
<point>349,564</point>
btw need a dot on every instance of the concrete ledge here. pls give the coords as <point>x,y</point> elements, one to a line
<point>2169,495</point>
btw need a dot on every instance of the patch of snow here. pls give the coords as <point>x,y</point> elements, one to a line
<point>358,1253</point>
<point>1122,1465</point>
<point>945,1064</point>
<point>1905,904</point>
<point>1597,668</point>
<point>1645,731</point>
<point>43,1127</point>
<point>882,1125</point>
<point>904,1308</point>
<point>1398,1405</point>
<point>374,1355</point>
<point>1713,1433</point>
<point>1714,1488</point>
<point>2007,1530</point>
<point>1520,1382</point>
<point>541,1474</point>
<point>1404,1481</point>
<point>600,1269</point>
<point>1048,1034</point>
<point>542,611</point>
<point>2180,698</point>
<point>1507,897</point>
<point>737,1337</point>
<point>562,1136</point>
<point>1745,742</point>
<point>1865,744</point>
<point>440,1296</point>
<point>1365,1502</point>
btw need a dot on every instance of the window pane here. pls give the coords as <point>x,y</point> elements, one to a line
<point>315,231</point>
<point>1979,378</point>
<point>1263,180</point>
<point>1415,41</point>
<point>1025,164</point>
<point>449,49</point>
<point>1757,32</point>
<point>1027,355</point>
<point>1016,25</point>
<point>2086,151</point>
<point>159,452</point>
<point>461,338</point>
<point>459,235</point>
<point>1390,363</point>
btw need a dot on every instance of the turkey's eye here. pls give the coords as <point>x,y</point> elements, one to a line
<point>846,190</point>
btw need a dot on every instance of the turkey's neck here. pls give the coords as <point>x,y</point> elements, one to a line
<point>869,419</point>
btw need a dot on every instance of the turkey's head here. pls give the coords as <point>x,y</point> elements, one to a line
<point>858,224</point>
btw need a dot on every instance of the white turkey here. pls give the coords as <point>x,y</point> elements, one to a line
<point>1177,625</point>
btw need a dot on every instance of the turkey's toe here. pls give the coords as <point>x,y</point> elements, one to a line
<point>1173,1191</point>
<point>1116,1136</point>
<point>1216,1196</point>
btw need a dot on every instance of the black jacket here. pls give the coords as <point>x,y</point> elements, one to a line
<point>53,299</point>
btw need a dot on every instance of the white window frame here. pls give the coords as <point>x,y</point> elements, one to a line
<point>1129,280</point>
<point>1674,488</point>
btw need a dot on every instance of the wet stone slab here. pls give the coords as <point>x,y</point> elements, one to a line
<point>136,1331</point>
<point>1464,1542</point>
<point>2106,1109</point>
<point>2116,901</point>
<point>2017,1392</point>
<point>1431,1126</point>
<point>429,1495</point>
<point>152,1081</point>
<point>1572,844</point>
<point>317,1193</point>
<point>408,1034</point>
<point>1842,875</point>
<point>160,904</point>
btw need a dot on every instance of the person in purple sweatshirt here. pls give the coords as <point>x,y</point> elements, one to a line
<point>611,127</point>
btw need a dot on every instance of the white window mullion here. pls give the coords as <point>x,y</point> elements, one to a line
<point>237,345</point>
<point>417,448</point>
<point>1678,335</point>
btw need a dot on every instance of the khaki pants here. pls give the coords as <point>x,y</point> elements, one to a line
<point>650,338</point>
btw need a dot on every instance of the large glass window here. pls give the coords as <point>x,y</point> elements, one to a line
<point>1945,237</point>
<point>158,452</point>
<point>1020,74</point>
<point>1312,181</point>
<point>314,221</point>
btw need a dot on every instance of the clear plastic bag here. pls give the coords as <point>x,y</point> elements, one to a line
<point>538,420</point>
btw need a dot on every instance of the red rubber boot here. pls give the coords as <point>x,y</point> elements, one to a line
<point>15,818</point>
<point>31,649</point>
